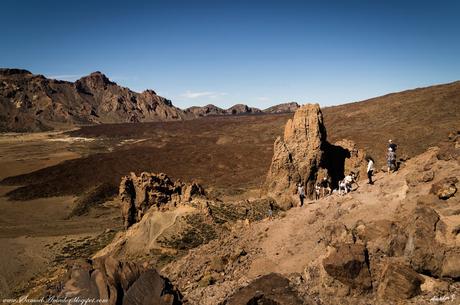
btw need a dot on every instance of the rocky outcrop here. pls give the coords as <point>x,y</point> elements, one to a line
<point>283,108</point>
<point>297,156</point>
<point>349,263</point>
<point>303,156</point>
<point>269,289</point>
<point>399,282</point>
<point>140,193</point>
<point>242,109</point>
<point>422,249</point>
<point>171,229</point>
<point>451,263</point>
<point>208,110</point>
<point>445,188</point>
<point>117,282</point>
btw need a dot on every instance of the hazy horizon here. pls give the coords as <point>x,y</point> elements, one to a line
<point>260,53</point>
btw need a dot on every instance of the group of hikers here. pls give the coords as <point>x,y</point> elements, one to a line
<point>323,188</point>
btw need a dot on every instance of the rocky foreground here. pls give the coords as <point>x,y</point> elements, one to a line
<point>394,242</point>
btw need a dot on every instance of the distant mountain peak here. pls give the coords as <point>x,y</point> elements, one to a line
<point>283,108</point>
<point>97,78</point>
<point>8,71</point>
<point>149,92</point>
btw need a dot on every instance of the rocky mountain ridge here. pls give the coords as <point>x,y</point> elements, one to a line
<point>30,102</point>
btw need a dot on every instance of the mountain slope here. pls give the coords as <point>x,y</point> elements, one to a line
<point>414,119</point>
<point>31,102</point>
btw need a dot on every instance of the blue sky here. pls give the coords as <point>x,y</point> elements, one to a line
<point>259,53</point>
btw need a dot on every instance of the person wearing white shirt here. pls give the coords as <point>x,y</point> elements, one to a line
<point>370,169</point>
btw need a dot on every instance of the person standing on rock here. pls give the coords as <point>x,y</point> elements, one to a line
<point>391,160</point>
<point>325,187</point>
<point>317,191</point>
<point>301,192</point>
<point>370,169</point>
<point>349,180</point>
<point>342,187</point>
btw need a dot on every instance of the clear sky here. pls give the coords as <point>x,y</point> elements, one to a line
<point>259,53</point>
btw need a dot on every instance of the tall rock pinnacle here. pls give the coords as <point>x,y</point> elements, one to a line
<point>297,157</point>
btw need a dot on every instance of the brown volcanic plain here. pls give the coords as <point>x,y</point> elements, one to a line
<point>229,155</point>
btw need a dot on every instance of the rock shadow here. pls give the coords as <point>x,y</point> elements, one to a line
<point>333,160</point>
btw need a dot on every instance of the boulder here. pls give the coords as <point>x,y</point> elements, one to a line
<point>270,289</point>
<point>416,177</point>
<point>117,282</point>
<point>151,288</point>
<point>422,249</point>
<point>349,264</point>
<point>337,233</point>
<point>140,193</point>
<point>445,188</point>
<point>451,264</point>
<point>399,282</point>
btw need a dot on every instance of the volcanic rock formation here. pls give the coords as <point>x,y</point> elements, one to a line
<point>303,156</point>
<point>163,216</point>
<point>297,157</point>
<point>138,194</point>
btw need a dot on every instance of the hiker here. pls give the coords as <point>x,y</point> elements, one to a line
<point>370,169</point>
<point>349,180</point>
<point>317,191</point>
<point>391,160</point>
<point>342,187</point>
<point>270,210</point>
<point>325,187</point>
<point>301,192</point>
